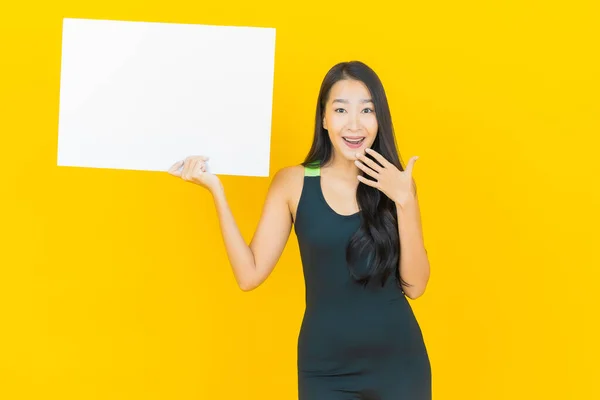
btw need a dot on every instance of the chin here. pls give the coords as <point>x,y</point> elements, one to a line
<point>350,154</point>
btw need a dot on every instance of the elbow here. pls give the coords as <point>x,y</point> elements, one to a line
<point>415,290</point>
<point>247,281</point>
<point>414,293</point>
<point>246,286</point>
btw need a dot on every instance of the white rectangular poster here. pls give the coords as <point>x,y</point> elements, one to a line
<point>143,95</point>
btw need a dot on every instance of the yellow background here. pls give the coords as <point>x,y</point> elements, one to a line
<point>115,284</point>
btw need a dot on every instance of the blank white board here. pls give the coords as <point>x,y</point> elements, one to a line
<point>143,95</point>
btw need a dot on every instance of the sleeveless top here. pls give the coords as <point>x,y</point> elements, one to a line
<point>360,342</point>
<point>323,236</point>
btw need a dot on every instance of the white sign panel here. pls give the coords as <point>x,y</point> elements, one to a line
<point>143,95</point>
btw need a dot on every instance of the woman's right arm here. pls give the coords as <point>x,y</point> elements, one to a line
<point>253,263</point>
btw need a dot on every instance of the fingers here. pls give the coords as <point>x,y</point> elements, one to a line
<point>411,164</point>
<point>366,169</point>
<point>174,170</point>
<point>185,169</point>
<point>368,182</point>
<point>197,169</point>
<point>189,168</point>
<point>378,157</point>
<point>367,161</point>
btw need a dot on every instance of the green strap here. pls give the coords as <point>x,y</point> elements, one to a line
<point>313,169</point>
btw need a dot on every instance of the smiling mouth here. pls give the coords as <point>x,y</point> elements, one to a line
<point>353,140</point>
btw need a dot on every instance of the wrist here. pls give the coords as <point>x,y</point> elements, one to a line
<point>406,204</point>
<point>217,191</point>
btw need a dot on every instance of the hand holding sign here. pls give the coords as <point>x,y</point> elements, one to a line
<point>194,169</point>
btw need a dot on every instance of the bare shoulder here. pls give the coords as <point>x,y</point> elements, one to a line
<point>289,180</point>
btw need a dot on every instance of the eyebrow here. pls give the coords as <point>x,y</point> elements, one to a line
<point>346,101</point>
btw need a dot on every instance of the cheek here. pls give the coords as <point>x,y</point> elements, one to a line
<point>335,124</point>
<point>371,125</point>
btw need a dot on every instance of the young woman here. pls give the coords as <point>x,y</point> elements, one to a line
<point>356,215</point>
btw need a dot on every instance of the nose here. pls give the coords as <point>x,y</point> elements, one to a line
<point>354,122</point>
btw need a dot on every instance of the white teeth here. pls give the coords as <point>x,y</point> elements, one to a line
<point>355,141</point>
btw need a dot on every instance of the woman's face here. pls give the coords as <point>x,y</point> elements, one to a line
<point>350,118</point>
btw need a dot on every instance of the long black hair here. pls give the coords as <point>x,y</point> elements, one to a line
<point>378,233</point>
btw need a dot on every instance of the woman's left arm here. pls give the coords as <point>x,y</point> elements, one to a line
<point>414,263</point>
<point>400,187</point>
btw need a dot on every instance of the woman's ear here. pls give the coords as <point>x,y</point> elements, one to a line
<point>324,122</point>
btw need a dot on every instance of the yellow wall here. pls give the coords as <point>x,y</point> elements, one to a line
<point>115,284</point>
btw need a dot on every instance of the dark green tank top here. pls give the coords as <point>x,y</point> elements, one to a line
<point>359,342</point>
<point>323,236</point>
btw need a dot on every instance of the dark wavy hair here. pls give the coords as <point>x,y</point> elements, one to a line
<point>378,233</point>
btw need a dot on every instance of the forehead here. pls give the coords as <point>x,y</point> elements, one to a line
<point>349,89</point>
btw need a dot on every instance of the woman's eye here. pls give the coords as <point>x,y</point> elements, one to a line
<point>368,110</point>
<point>338,110</point>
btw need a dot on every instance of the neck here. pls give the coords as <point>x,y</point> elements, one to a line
<point>344,167</point>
